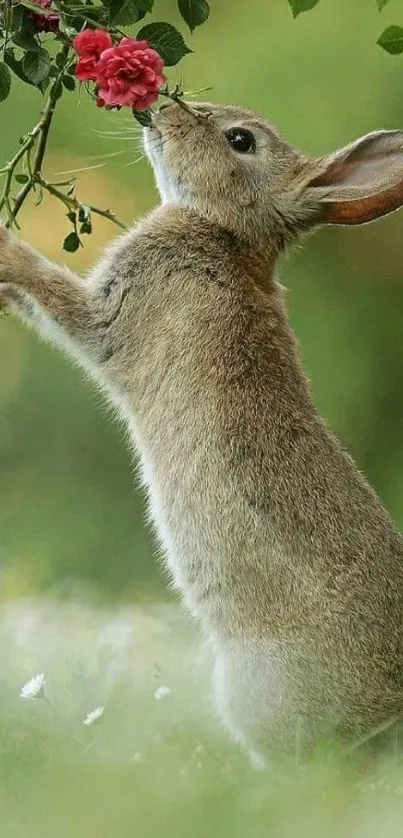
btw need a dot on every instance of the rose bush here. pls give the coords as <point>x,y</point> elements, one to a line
<point>39,44</point>
<point>52,44</point>
<point>48,22</point>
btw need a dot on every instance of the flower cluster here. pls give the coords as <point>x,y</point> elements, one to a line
<point>51,45</point>
<point>128,73</point>
<point>48,22</point>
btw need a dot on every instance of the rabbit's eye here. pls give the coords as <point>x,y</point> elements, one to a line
<point>242,140</point>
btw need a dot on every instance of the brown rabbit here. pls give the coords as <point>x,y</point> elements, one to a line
<point>280,548</point>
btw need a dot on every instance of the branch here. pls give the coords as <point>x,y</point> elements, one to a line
<point>39,136</point>
<point>40,131</point>
<point>73,203</point>
<point>38,159</point>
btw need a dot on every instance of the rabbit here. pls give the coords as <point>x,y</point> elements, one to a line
<point>280,549</point>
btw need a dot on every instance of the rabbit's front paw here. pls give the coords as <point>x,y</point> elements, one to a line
<point>12,263</point>
<point>20,265</point>
<point>11,300</point>
<point>4,271</point>
<point>8,268</point>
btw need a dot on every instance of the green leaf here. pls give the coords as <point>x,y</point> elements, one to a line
<point>124,12</point>
<point>43,85</point>
<point>69,82</point>
<point>381,4</point>
<point>19,17</point>
<point>145,6</point>
<point>84,213</point>
<point>298,6</point>
<point>86,227</point>
<point>34,7</point>
<point>21,178</point>
<point>143,117</point>
<point>36,66</point>
<point>391,40</point>
<point>71,243</point>
<point>166,40</point>
<point>24,34</point>
<point>15,65</point>
<point>70,31</point>
<point>26,41</point>
<point>194,12</point>
<point>60,60</point>
<point>5,82</point>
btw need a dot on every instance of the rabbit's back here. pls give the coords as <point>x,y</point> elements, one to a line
<point>277,543</point>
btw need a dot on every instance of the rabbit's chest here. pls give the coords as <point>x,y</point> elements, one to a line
<point>219,558</point>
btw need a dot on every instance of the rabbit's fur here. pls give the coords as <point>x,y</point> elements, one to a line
<point>280,548</point>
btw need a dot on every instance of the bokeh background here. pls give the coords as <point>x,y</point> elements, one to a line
<point>70,512</point>
<point>82,598</point>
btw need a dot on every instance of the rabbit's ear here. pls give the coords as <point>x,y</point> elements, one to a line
<point>359,183</point>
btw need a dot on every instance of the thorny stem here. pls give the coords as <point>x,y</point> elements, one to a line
<point>73,204</point>
<point>84,16</point>
<point>6,18</point>
<point>177,96</point>
<point>37,162</point>
<point>38,137</point>
<point>40,131</point>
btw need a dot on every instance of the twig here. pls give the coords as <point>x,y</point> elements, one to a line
<point>11,166</point>
<point>176,95</point>
<point>73,203</point>
<point>38,138</point>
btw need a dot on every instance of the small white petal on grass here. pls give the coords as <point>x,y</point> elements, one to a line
<point>257,761</point>
<point>162,692</point>
<point>35,688</point>
<point>94,716</point>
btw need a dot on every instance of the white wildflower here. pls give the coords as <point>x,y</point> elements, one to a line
<point>35,688</point>
<point>162,692</point>
<point>94,716</point>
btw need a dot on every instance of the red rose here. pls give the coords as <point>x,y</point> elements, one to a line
<point>130,74</point>
<point>45,23</point>
<point>89,44</point>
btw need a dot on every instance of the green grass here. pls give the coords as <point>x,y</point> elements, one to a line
<point>68,509</point>
<point>154,768</point>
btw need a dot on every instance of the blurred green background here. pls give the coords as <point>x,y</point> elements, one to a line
<point>71,517</point>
